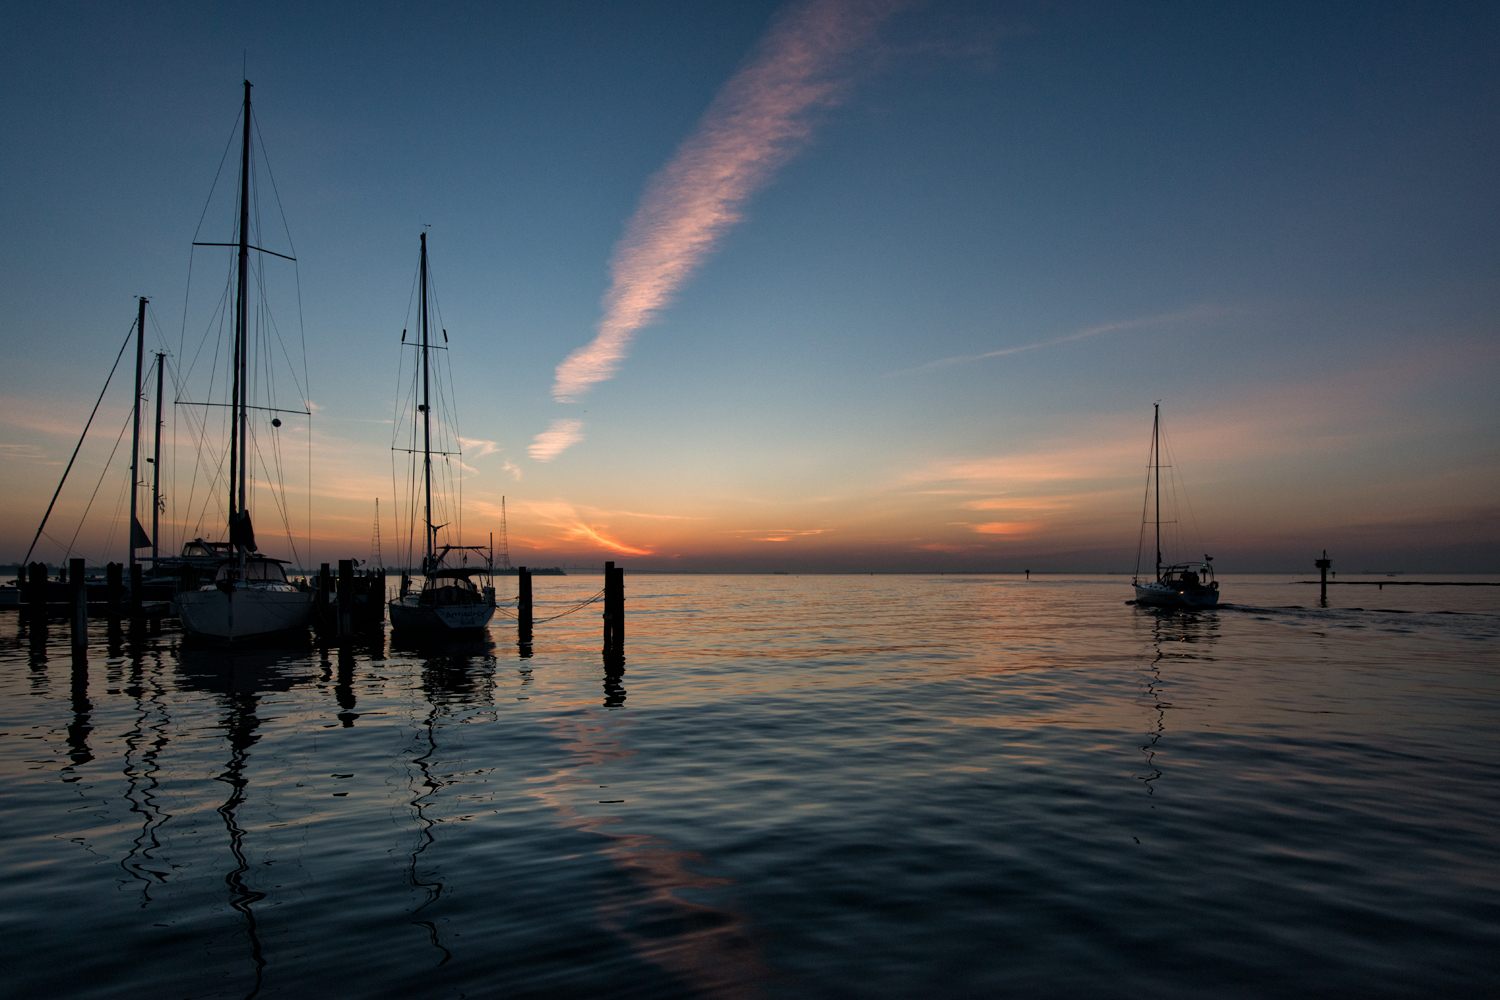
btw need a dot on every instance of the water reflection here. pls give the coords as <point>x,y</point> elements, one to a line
<point>1173,636</point>
<point>141,768</point>
<point>709,948</point>
<point>240,723</point>
<point>80,727</point>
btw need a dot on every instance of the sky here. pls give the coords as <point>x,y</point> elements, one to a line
<point>825,286</point>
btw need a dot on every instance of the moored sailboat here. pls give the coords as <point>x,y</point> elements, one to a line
<point>446,600</point>
<point>1179,585</point>
<point>249,596</point>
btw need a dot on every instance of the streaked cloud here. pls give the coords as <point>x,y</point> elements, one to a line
<point>569,526</point>
<point>763,116</point>
<point>1200,312</point>
<point>478,447</point>
<point>780,534</point>
<point>1007,527</point>
<point>556,439</point>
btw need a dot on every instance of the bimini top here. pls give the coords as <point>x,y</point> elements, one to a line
<point>462,573</point>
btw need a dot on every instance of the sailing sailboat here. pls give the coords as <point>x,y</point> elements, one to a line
<point>249,596</point>
<point>1180,585</point>
<point>446,600</point>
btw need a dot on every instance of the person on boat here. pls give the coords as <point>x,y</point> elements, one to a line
<point>1189,578</point>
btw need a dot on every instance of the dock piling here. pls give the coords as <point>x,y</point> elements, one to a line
<point>136,586</point>
<point>523,606</point>
<point>346,597</point>
<point>114,590</point>
<point>36,593</point>
<point>80,604</point>
<point>614,612</point>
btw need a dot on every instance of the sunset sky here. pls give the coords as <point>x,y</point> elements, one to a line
<point>811,286</point>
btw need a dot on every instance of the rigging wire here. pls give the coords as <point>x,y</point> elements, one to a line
<point>90,504</point>
<point>89,423</point>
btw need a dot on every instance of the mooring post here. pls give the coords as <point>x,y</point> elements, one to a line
<point>325,584</point>
<point>614,611</point>
<point>609,607</point>
<point>136,586</point>
<point>114,587</point>
<point>523,604</point>
<point>37,592</point>
<point>80,603</point>
<point>377,616</point>
<point>346,597</point>
<point>1323,565</point>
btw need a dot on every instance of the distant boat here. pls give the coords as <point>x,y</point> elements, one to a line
<point>249,596</point>
<point>446,601</point>
<point>1180,585</point>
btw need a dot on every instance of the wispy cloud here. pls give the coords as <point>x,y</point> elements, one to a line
<point>572,526</point>
<point>780,534</point>
<point>1196,312</point>
<point>556,439</point>
<point>760,120</point>
<point>479,448</point>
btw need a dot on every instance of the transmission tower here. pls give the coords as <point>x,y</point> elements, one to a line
<point>504,538</point>
<point>375,555</point>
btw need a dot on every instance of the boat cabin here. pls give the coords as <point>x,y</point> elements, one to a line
<point>1189,576</point>
<point>199,549</point>
<point>257,568</point>
<point>449,586</point>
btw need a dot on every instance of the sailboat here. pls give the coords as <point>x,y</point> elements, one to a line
<point>1180,585</point>
<point>445,600</point>
<point>249,596</point>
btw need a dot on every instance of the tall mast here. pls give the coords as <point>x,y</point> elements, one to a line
<point>426,418</point>
<point>241,333</point>
<point>1156,452</point>
<point>135,434</point>
<point>156,466</point>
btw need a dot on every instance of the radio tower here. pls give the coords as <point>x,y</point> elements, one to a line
<point>375,539</point>
<point>504,538</point>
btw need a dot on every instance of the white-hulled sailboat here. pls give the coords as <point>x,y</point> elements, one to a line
<point>1180,585</point>
<point>249,597</point>
<point>445,600</point>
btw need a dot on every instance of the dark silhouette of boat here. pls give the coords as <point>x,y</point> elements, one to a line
<point>1179,585</point>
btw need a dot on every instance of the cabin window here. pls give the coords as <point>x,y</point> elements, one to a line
<point>256,569</point>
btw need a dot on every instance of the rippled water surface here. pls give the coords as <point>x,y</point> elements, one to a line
<point>799,787</point>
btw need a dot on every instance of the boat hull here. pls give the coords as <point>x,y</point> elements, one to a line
<point>1158,595</point>
<point>443,619</point>
<point>242,613</point>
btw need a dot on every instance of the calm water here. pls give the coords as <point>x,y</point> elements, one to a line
<point>800,787</point>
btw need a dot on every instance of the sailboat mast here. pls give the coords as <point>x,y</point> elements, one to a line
<point>1156,452</point>
<point>426,419</point>
<point>135,433</point>
<point>241,415</point>
<point>156,466</point>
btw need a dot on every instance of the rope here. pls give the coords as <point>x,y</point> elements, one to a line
<point>577,607</point>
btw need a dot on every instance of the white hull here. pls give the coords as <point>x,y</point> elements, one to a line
<point>245,613</point>
<point>1166,597</point>
<point>408,616</point>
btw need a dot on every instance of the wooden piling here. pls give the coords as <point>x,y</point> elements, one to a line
<point>1323,565</point>
<point>614,611</point>
<point>136,586</point>
<point>80,603</point>
<point>36,593</point>
<point>523,604</point>
<point>320,602</point>
<point>114,590</point>
<point>346,597</point>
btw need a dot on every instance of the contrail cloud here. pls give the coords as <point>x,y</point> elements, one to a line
<point>760,120</point>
